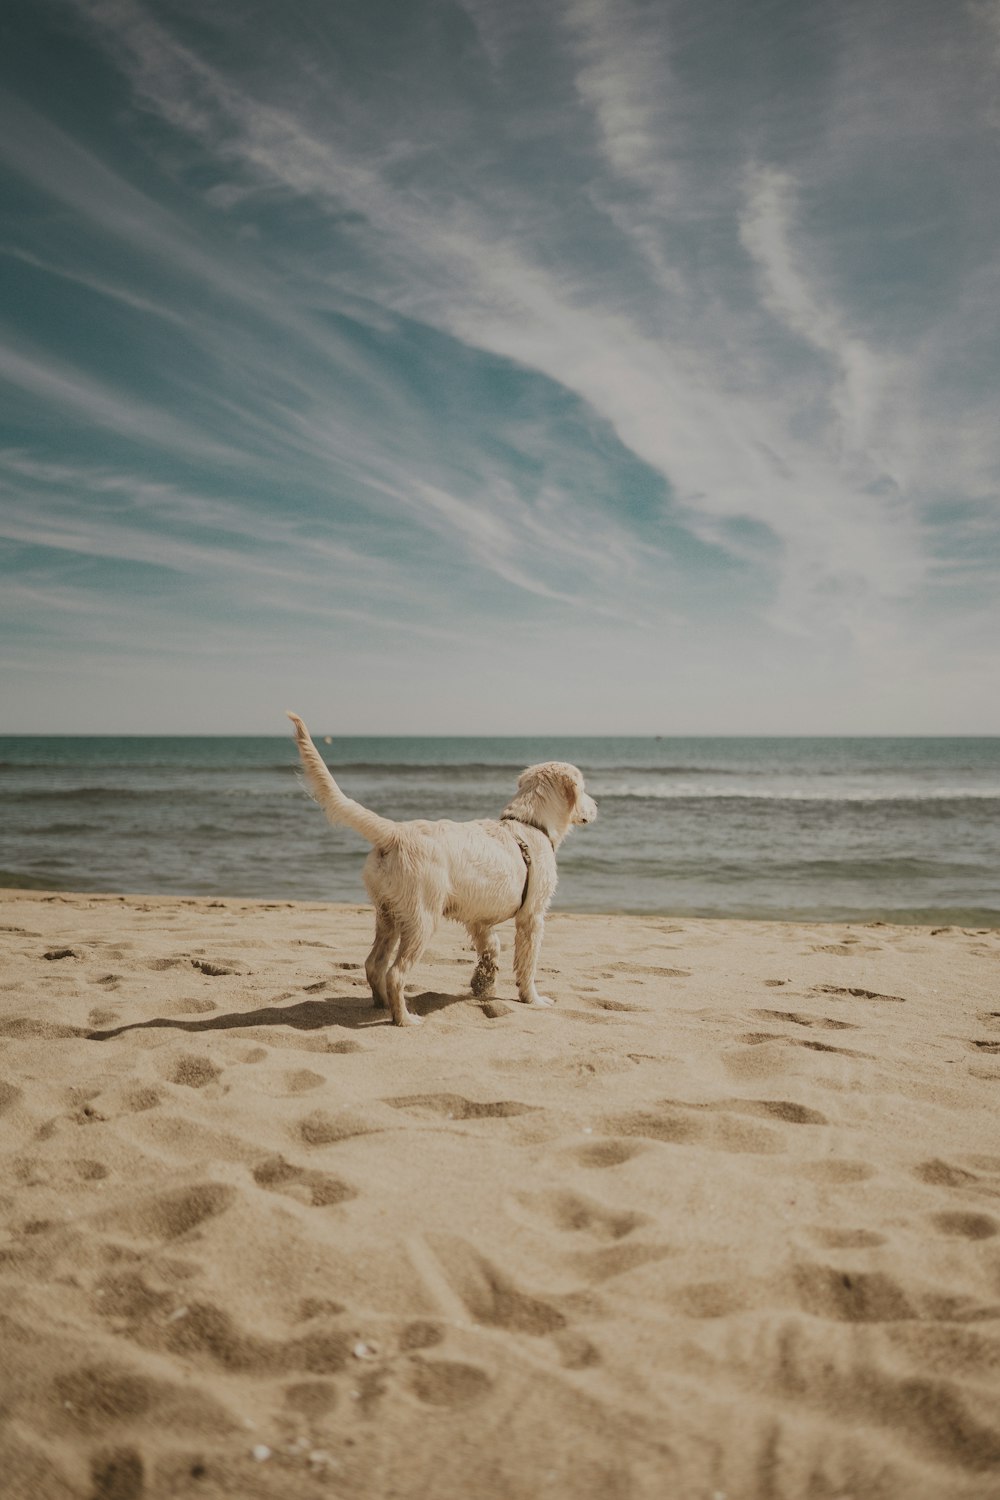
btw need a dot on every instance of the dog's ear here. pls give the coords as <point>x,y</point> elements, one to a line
<point>569,788</point>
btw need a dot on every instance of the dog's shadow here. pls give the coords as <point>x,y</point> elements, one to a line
<point>305,1015</point>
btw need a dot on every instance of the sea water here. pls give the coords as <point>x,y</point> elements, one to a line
<point>863,828</point>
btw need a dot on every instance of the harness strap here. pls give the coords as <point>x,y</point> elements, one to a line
<point>526,856</point>
<point>510,818</point>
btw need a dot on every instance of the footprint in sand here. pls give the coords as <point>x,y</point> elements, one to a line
<point>421,1334</point>
<point>315,1189</point>
<point>929,1412</point>
<point>575,1350</point>
<point>446,1382</point>
<point>854,992</point>
<point>849,1296</point>
<point>126,1296</point>
<point>682,1125</point>
<point>192,1072</point>
<point>658,970</point>
<point>93,1397</point>
<point>819,1291</point>
<point>100,1016</point>
<point>774,1109</point>
<point>197,1331</point>
<point>847,949</point>
<point>302,1081</point>
<point>797,1018</point>
<point>319,1307</point>
<point>965,1226</point>
<point>207,1332</point>
<point>615,1260</point>
<point>89,1170</point>
<point>26,1028</point>
<point>988,1164</point>
<point>83,1111</point>
<point>605,1153</point>
<point>322,1129</point>
<point>213,968</point>
<point>190,1007</point>
<point>10,1095</point>
<point>140,1098</point>
<point>455,1107</point>
<point>169,1215</point>
<point>758,1038</point>
<point>938,1173</point>
<point>495,1010</point>
<point>490,1296</point>
<point>313,1398</point>
<point>563,1013</point>
<point>575,1214</point>
<point>846,1239</point>
<point>117,1474</point>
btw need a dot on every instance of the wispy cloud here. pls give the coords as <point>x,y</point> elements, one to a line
<point>677,414</point>
<point>767,231</point>
<point>607,315</point>
<point>79,395</point>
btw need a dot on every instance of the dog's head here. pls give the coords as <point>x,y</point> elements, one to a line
<point>555,793</point>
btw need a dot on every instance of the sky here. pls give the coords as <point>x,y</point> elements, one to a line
<point>470,366</point>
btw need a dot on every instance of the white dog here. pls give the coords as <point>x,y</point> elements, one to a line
<point>479,874</point>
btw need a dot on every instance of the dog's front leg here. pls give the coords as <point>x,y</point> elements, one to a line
<point>527,948</point>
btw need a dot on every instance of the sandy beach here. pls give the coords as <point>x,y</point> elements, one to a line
<point>722,1223</point>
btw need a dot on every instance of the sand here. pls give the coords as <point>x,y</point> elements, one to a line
<point>723,1223</point>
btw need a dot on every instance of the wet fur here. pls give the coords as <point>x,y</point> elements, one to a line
<point>472,873</point>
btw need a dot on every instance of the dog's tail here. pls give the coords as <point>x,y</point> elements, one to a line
<point>338,808</point>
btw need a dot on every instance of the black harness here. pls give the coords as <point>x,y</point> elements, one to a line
<point>525,851</point>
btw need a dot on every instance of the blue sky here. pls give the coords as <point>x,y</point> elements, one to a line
<point>577,366</point>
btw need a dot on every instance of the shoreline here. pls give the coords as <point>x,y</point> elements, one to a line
<point>724,1220</point>
<point>973,920</point>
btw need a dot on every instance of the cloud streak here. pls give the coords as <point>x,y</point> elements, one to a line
<point>614,315</point>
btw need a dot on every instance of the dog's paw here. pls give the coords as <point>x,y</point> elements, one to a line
<point>539,1000</point>
<point>407,1019</point>
<point>484,976</point>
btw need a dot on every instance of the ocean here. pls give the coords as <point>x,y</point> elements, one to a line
<point>903,830</point>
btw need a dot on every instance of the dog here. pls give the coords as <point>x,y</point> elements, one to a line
<point>479,874</point>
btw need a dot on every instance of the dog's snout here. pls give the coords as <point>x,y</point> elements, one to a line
<point>586,810</point>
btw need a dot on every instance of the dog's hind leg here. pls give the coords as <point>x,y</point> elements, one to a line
<point>414,937</point>
<point>487,946</point>
<point>527,950</point>
<point>383,951</point>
